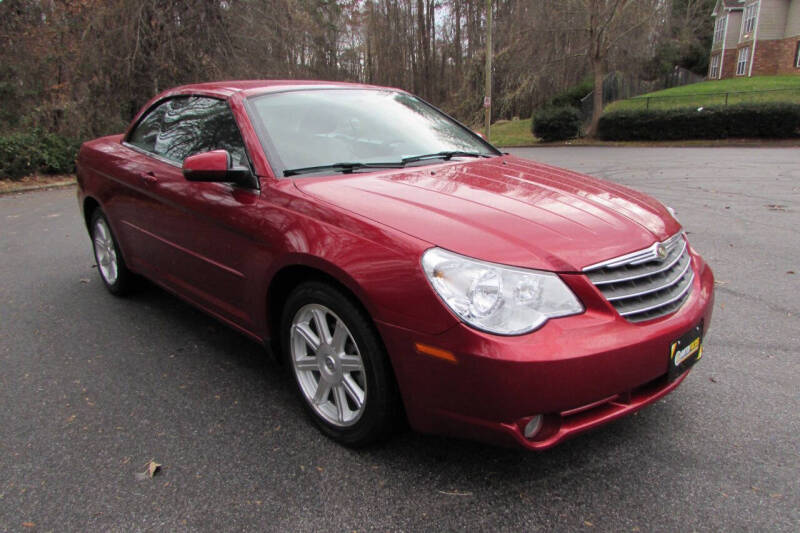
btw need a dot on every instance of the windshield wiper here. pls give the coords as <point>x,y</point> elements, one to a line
<point>345,168</point>
<point>446,155</point>
<point>348,168</point>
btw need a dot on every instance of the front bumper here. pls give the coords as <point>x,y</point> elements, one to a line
<point>579,372</point>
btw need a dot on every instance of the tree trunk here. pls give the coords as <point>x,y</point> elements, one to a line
<point>457,48</point>
<point>597,96</point>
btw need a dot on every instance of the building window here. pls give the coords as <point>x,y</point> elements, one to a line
<point>749,23</point>
<point>713,72</point>
<point>719,28</point>
<point>741,65</point>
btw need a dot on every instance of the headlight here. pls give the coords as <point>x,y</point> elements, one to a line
<point>496,298</point>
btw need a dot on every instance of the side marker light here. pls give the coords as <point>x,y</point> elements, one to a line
<point>439,353</point>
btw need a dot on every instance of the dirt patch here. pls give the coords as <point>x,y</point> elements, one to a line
<point>33,183</point>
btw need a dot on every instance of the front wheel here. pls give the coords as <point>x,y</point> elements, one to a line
<point>339,364</point>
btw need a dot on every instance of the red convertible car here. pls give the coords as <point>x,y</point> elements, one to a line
<point>401,265</point>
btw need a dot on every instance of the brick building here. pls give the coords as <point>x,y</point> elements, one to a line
<point>755,38</point>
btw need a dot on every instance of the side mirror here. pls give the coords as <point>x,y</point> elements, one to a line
<point>215,166</point>
<point>479,134</point>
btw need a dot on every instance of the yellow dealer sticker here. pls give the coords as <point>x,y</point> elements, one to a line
<point>685,352</point>
<point>679,356</point>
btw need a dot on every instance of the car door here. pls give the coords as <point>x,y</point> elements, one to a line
<point>131,203</point>
<point>193,236</point>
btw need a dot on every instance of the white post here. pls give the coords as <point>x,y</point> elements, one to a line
<point>724,42</point>
<point>487,100</point>
<point>755,40</point>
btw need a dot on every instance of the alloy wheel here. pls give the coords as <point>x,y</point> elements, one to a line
<point>105,252</point>
<point>328,365</point>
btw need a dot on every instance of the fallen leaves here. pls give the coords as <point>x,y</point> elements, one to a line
<point>776,207</point>
<point>151,469</point>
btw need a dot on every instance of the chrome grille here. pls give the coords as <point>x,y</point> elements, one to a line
<point>647,284</point>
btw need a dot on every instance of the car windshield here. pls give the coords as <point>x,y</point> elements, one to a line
<point>343,130</point>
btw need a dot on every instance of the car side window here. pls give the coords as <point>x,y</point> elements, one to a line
<point>146,132</point>
<point>184,126</point>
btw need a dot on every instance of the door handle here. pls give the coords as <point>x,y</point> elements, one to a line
<point>148,178</point>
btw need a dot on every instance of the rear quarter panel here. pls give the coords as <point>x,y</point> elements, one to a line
<point>98,161</point>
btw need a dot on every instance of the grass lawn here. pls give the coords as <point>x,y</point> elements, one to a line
<point>512,133</point>
<point>783,89</point>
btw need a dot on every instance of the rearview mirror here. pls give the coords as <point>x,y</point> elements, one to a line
<point>215,166</point>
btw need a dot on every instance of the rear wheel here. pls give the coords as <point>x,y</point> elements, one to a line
<point>110,263</point>
<point>339,364</point>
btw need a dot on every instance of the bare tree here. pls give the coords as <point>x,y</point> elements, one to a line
<point>83,67</point>
<point>612,24</point>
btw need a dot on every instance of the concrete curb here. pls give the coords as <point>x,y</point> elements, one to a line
<point>699,143</point>
<point>40,187</point>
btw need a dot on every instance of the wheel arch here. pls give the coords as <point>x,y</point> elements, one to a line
<point>289,276</point>
<point>90,204</point>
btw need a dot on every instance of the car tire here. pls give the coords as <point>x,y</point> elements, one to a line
<point>338,364</point>
<point>110,263</point>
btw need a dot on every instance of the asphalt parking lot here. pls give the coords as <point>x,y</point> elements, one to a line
<point>92,387</point>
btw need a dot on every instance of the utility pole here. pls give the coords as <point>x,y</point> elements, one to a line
<point>487,100</point>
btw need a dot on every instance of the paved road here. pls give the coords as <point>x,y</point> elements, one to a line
<point>92,387</point>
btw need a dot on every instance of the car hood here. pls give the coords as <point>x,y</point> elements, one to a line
<point>505,210</point>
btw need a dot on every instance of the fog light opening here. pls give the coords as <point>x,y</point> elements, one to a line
<point>533,427</point>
